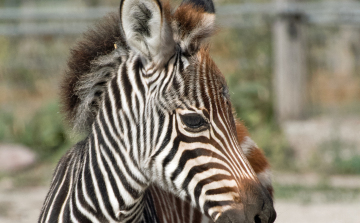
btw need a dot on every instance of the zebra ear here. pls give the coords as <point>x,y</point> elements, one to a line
<point>194,22</point>
<point>207,5</point>
<point>146,30</point>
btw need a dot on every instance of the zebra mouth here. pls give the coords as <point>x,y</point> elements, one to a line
<point>238,216</point>
<point>232,216</point>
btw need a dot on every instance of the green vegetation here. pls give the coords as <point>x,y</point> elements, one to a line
<point>29,110</point>
<point>44,132</point>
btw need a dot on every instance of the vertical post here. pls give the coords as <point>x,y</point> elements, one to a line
<point>290,63</point>
<point>343,54</point>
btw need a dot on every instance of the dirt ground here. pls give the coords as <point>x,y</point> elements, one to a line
<point>318,212</point>
<point>23,206</point>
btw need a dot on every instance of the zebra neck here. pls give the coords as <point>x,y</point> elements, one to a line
<point>117,182</point>
<point>170,208</point>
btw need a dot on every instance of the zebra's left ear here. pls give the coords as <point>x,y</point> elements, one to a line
<point>146,30</point>
<point>193,23</point>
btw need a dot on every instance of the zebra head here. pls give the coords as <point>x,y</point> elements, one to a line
<point>183,110</point>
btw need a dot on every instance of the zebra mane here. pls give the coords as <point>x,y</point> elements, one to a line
<point>94,60</point>
<point>91,65</point>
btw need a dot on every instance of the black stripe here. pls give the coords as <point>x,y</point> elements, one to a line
<point>202,183</point>
<point>137,68</point>
<point>192,154</point>
<point>99,176</point>
<point>201,168</point>
<point>113,161</point>
<point>222,190</point>
<point>167,138</point>
<point>126,84</point>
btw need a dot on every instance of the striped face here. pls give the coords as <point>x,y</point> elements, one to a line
<point>192,147</point>
<point>202,161</point>
<point>199,158</point>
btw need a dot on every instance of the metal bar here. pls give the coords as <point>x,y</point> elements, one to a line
<point>71,13</point>
<point>58,13</point>
<point>70,20</point>
<point>44,29</point>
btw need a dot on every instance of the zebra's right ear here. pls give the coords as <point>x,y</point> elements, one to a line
<point>146,30</point>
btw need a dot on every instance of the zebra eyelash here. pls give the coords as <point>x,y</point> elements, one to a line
<point>194,122</point>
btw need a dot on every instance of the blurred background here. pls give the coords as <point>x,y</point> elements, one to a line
<point>293,69</point>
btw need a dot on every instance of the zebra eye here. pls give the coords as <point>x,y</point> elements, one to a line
<point>194,122</point>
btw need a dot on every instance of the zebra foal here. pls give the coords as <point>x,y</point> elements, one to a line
<point>159,126</point>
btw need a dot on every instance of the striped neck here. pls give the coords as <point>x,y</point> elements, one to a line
<point>117,181</point>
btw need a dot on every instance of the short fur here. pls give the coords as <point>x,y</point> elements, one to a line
<point>93,60</point>
<point>207,5</point>
<point>191,25</point>
<point>255,156</point>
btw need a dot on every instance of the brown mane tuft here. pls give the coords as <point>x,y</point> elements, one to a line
<point>189,16</point>
<point>96,42</point>
<point>191,26</point>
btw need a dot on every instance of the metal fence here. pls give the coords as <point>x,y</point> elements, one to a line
<point>70,20</point>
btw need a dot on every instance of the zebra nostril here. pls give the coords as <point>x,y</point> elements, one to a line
<point>257,219</point>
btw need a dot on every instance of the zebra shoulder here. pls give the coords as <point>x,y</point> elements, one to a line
<point>64,177</point>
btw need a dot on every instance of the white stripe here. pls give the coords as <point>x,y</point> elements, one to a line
<point>61,214</point>
<point>84,190</point>
<point>218,209</point>
<point>87,214</point>
<point>114,112</point>
<point>94,180</point>
<point>199,176</point>
<point>239,168</point>
<point>51,192</point>
<point>72,217</point>
<point>126,155</point>
<point>110,191</point>
<point>57,193</point>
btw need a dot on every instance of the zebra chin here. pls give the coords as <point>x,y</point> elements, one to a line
<point>255,205</point>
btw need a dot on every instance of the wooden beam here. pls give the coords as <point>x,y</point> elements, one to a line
<point>290,71</point>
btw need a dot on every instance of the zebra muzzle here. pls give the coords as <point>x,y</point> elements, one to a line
<point>238,216</point>
<point>260,210</point>
<point>232,216</point>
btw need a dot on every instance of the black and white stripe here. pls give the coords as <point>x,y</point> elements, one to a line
<point>140,148</point>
